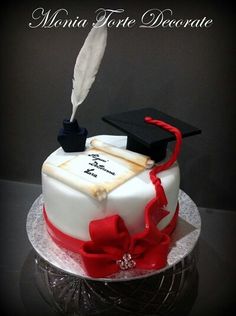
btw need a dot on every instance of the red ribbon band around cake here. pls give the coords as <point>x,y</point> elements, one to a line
<point>111,247</point>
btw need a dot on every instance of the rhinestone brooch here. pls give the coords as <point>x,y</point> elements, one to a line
<point>126,262</point>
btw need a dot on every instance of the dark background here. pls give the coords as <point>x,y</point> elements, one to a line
<point>187,73</point>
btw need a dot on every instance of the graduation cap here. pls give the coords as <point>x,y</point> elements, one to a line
<point>146,138</point>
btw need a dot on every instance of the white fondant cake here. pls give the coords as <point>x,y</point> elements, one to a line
<point>71,210</point>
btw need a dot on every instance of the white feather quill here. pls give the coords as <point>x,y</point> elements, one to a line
<point>87,65</point>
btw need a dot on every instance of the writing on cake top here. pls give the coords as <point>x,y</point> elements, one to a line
<point>99,167</point>
<point>94,163</point>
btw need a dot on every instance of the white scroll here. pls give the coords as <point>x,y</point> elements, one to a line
<point>99,169</point>
<point>128,155</point>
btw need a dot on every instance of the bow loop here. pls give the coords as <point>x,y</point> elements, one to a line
<point>110,239</point>
<point>113,232</point>
<point>109,235</point>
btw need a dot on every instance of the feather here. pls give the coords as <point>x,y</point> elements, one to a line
<point>87,65</point>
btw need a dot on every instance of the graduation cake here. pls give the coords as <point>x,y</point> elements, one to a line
<point>113,199</point>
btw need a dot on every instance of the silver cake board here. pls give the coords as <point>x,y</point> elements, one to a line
<point>184,240</point>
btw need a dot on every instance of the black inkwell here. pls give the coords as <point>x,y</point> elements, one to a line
<point>71,137</point>
<point>148,139</point>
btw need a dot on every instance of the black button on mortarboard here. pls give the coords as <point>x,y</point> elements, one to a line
<point>146,138</point>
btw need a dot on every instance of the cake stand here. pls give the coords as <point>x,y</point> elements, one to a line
<point>66,286</point>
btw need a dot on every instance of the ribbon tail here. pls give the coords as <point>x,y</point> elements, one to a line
<point>155,256</point>
<point>172,224</point>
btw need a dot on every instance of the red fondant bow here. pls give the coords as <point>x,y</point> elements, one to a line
<point>112,248</point>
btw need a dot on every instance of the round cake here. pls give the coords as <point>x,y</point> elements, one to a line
<point>114,205</point>
<point>71,210</point>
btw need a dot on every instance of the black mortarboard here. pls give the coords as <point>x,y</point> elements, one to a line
<point>146,138</point>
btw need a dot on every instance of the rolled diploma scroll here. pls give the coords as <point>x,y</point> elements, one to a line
<point>126,154</point>
<point>92,189</point>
